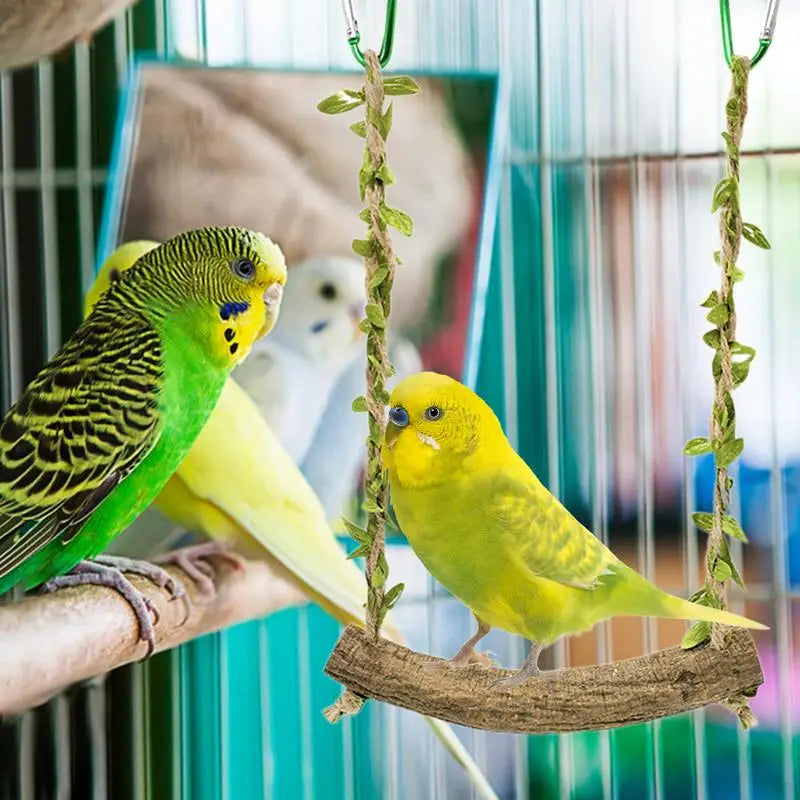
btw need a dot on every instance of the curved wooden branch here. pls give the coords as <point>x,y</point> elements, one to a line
<point>584,698</point>
<point>48,642</point>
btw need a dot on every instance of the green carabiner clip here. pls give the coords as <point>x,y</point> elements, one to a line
<point>354,37</point>
<point>764,40</point>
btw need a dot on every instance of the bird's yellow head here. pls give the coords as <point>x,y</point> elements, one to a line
<point>436,425</point>
<point>124,257</point>
<point>237,274</point>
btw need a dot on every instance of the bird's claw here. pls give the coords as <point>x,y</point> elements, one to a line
<point>154,573</point>
<point>192,560</point>
<point>463,660</point>
<point>97,573</point>
<point>523,675</point>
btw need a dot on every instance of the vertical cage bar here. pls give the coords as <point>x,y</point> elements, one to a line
<point>47,197</point>
<point>11,321</point>
<point>780,573</point>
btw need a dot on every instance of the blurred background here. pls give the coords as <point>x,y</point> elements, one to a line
<point>559,166</point>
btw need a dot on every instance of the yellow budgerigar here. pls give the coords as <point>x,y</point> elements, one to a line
<point>239,486</point>
<point>494,536</point>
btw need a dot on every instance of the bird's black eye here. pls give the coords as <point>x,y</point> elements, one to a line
<point>433,413</point>
<point>244,268</point>
<point>328,291</point>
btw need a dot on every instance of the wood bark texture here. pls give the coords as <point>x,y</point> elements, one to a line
<point>584,698</point>
<point>48,642</point>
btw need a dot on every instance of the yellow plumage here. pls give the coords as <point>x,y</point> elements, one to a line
<point>494,536</point>
<point>239,486</point>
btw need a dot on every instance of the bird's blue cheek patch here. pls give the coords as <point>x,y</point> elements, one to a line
<point>320,326</point>
<point>232,310</point>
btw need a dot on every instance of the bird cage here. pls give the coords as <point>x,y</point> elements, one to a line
<point>590,250</point>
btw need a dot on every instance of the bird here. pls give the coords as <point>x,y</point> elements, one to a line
<point>485,527</point>
<point>292,374</point>
<point>239,486</point>
<point>98,432</point>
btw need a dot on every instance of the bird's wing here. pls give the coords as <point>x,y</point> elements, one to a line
<point>239,466</point>
<point>81,426</point>
<point>547,539</point>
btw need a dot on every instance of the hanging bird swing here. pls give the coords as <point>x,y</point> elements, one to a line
<point>715,663</point>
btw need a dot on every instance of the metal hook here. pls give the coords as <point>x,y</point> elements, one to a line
<point>764,40</point>
<point>354,37</point>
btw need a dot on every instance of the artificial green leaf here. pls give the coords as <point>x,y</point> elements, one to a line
<point>358,533</point>
<point>361,550</point>
<point>721,571</point>
<point>393,595</point>
<point>386,121</point>
<point>735,274</point>
<point>711,300</point>
<point>703,520</point>
<point>380,573</point>
<point>731,146</point>
<point>359,404</point>
<point>364,326</point>
<point>739,349</point>
<point>378,277</point>
<point>723,191</point>
<point>363,247</point>
<point>731,526</point>
<point>699,597</point>
<point>729,452</point>
<point>385,174</point>
<point>697,446</point>
<point>375,315</point>
<point>718,257</point>
<point>399,220</point>
<point>343,100</point>
<point>698,634</point>
<point>716,365</point>
<point>359,129</point>
<point>400,84</point>
<point>754,235</point>
<point>711,338</point>
<point>718,315</point>
<point>365,216</point>
<point>739,371</point>
<point>370,506</point>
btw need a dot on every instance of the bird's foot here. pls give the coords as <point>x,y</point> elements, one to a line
<point>153,572</point>
<point>525,674</point>
<point>464,659</point>
<point>530,669</point>
<point>193,561</point>
<point>96,573</point>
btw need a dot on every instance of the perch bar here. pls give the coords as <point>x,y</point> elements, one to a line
<point>48,642</point>
<point>584,698</point>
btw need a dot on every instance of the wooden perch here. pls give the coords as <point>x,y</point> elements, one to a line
<point>50,641</point>
<point>584,698</point>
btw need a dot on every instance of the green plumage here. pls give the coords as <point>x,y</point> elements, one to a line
<point>102,427</point>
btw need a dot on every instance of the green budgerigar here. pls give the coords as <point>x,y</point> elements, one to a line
<point>98,432</point>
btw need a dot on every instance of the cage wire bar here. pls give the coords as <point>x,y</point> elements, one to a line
<point>605,178</point>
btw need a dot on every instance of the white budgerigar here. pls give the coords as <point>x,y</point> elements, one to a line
<point>335,459</point>
<point>316,340</point>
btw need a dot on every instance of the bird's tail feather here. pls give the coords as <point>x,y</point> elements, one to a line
<point>448,739</point>
<point>678,608</point>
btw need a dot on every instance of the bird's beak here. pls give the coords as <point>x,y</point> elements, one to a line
<point>398,419</point>
<point>272,300</point>
<point>272,297</point>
